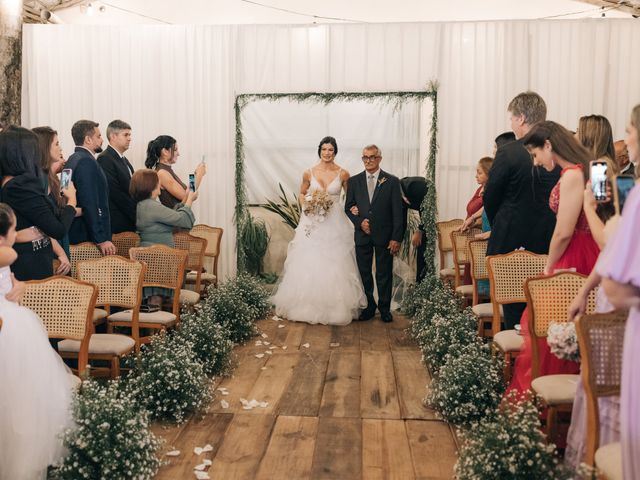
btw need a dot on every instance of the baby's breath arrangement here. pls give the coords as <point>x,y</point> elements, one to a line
<point>468,386</point>
<point>438,337</point>
<point>111,439</point>
<point>168,380</point>
<point>209,341</point>
<point>509,445</point>
<point>228,308</point>
<point>253,294</point>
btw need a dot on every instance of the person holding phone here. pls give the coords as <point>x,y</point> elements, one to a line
<point>162,154</point>
<point>52,163</point>
<point>37,217</point>
<point>156,223</point>
<point>572,245</point>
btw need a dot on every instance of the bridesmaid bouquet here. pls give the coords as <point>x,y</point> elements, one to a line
<point>563,341</point>
<point>316,206</point>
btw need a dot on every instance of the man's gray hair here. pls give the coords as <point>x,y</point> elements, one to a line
<point>374,147</point>
<point>530,105</point>
<point>115,126</point>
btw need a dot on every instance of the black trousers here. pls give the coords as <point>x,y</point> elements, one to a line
<point>384,275</point>
<point>512,314</point>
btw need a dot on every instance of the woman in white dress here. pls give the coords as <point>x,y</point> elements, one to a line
<point>320,282</point>
<point>36,387</point>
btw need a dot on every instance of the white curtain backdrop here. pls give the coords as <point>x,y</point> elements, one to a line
<point>182,80</point>
<point>281,139</point>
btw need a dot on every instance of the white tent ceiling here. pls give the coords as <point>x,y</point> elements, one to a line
<point>309,11</point>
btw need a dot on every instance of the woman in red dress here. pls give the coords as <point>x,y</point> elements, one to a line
<point>572,245</point>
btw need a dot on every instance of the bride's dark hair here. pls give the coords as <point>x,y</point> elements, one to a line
<point>330,140</point>
<point>7,217</point>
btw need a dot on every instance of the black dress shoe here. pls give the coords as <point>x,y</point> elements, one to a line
<point>386,317</point>
<point>366,315</point>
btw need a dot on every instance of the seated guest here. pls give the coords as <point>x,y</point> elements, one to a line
<point>118,171</point>
<point>52,163</point>
<point>482,175</point>
<point>93,197</point>
<point>37,217</point>
<point>156,223</point>
<point>162,154</point>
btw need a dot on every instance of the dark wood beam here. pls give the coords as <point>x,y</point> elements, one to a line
<point>626,6</point>
<point>65,4</point>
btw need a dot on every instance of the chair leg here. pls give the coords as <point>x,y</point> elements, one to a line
<point>552,419</point>
<point>115,367</point>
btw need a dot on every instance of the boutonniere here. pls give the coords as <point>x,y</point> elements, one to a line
<point>382,180</point>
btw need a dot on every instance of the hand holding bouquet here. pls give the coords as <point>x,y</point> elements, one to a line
<point>316,205</point>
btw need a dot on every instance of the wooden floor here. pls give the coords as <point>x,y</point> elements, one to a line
<point>343,403</point>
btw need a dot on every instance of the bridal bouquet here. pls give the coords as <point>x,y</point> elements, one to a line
<point>316,206</point>
<point>563,341</point>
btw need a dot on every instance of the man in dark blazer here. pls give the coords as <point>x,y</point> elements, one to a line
<point>378,225</point>
<point>414,190</point>
<point>118,171</point>
<point>94,224</point>
<point>516,196</point>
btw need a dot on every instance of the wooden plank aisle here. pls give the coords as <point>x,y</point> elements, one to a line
<point>347,407</point>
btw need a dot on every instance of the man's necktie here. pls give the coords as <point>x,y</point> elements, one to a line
<point>371,186</point>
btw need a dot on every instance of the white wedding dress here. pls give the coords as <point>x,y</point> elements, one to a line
<point>36,392</point>
<point>320,282</point>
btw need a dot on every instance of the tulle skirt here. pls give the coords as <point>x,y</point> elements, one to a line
<point>581,254</point>
<point>320,282</point>
<point>36,391</point>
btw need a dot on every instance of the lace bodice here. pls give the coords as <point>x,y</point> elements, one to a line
<point>554,204</point>
<point>334,188</point>
<point>5,281</point>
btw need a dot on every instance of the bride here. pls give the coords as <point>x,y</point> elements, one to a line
<point>36,387</point>
<point>320,280</point>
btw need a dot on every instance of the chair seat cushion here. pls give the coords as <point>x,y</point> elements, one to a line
<point>99,315</point>
<point>465,290</point>
<point>165,318</point>
<point>556,389</point>
<point>609,461</point>
<point>447,272</point>
<point>484,310</point>
<point>101,344</point>
<point>189,297</point>
<point>508,341</point>
<point>204,276</point>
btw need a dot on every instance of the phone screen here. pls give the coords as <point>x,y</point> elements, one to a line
<point>598,176</point>
<point>65,178</point>
<point>192,182</point>
<point>624,184</point>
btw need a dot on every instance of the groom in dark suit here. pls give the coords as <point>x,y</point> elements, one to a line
<point>378,221</point>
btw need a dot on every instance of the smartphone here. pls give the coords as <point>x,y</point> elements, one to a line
<point>204,159</point>
<point>192,182</point>
<point>624,184</point>
<point>65,178</point>
<point>598,175</point>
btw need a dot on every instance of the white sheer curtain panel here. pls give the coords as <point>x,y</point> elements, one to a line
<point>182,80</point>
<point>281,140</point>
